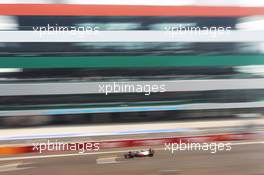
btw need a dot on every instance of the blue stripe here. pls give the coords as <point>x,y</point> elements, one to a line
<point>113,109</point>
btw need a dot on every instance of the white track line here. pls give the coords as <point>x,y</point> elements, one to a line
<point>132,36</point>
<point>113,129</point>
<point>63,155</point>
<point>247,143</point>
<point>107,160</point>
<point>14,167</point>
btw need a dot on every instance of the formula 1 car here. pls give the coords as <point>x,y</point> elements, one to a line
<point>142,153</point>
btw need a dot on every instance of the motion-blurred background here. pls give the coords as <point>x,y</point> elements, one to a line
<point>26,64</point>
<point>214,87</point>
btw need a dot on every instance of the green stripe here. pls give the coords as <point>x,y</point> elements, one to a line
<point>129,61</point>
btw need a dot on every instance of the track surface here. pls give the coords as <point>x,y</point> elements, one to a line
<point>245,159</point>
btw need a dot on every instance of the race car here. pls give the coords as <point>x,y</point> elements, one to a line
<point>142,153</point>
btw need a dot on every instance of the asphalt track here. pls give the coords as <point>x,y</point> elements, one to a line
<point>245,158</point>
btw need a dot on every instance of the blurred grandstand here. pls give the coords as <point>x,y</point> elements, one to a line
<point>23,65</point>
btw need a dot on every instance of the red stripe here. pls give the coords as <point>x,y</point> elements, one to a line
<point>125,10</point>
<point>9,150</point>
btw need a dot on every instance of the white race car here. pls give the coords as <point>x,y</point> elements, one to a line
<point>142,153</point>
